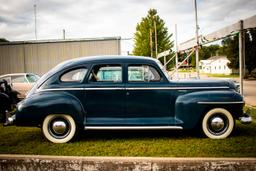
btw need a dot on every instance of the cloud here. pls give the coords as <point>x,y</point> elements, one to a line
<point>101,18</point>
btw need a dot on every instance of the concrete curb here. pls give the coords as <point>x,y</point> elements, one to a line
<point>35,162</point>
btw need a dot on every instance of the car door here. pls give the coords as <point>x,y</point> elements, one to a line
<point>20,84</point>
<point>105,95</point>
<point>148,98</point>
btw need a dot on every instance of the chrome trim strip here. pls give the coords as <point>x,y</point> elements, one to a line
<point>174,88</point>
<point>130,127</point>
<point>240,102</point>
<point>134,88</point>
<point>60,89</point>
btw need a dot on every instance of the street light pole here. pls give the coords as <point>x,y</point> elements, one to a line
<point>197,42</point>
<point>35,21</point>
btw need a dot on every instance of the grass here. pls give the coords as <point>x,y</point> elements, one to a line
<point>223,75</point>
<point>20,140</point>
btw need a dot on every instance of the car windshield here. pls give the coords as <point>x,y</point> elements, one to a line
<point>32,78</point>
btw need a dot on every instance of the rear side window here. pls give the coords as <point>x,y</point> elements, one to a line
<point>76,75</point>
<point>143,73</point>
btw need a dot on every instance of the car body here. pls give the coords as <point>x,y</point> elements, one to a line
<point>21,82</point>
<point>126,92</point>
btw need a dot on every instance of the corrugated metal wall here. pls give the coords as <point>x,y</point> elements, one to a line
<point>39,57</point>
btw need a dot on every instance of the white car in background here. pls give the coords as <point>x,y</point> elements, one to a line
<point>21,82</point>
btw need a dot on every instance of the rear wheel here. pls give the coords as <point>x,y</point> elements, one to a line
<point>59,128</point>
<point>218,123</point>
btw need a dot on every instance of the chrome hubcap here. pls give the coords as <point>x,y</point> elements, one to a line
<point>59,127</point>
<point>217,124</point>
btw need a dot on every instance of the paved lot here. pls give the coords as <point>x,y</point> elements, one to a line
<point>250,92</point>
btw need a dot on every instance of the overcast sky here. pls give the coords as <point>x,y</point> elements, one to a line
<point>107,18</point>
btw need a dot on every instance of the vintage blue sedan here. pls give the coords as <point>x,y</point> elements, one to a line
<point>126,93</point>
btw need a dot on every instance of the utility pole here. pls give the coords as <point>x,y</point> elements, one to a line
<point>35,21</point>
<point>176,57</point>
<point>64,34</point>
<point>150,42</point>
<point>155,36</point>
<point>241,56</point>
<point>197,42</point>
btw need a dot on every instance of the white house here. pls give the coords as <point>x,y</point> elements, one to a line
<point>215,65</point>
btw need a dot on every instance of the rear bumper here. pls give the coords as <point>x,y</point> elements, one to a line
<point>10,121</point>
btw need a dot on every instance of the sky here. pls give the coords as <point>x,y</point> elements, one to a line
<point>108,18</point>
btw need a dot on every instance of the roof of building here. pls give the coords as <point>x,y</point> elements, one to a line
<point>60,40</point>
<point>214,58</point>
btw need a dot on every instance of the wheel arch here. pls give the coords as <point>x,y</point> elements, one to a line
<point>35,109</point>
<point>190,111</point>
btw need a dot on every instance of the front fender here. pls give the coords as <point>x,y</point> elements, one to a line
<point>33,110</point>
<point>191,107</point>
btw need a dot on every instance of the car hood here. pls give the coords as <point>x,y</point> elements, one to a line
<point>204,83</point>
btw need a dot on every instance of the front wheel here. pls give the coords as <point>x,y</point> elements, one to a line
<point>59,128</point>
<point>218,123</point>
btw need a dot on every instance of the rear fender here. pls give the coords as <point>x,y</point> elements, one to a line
<point>32,111</point>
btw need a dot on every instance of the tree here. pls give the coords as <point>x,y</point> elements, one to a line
<point>3,40</point>
<point>231,49</point>
<point>145,36</point>
<point>250,50</point>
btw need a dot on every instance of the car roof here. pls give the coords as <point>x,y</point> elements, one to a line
<point>109,58</point>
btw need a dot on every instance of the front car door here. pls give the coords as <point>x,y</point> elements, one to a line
<point>148,99</point>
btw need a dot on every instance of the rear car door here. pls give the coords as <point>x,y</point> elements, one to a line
<point>105,95</point>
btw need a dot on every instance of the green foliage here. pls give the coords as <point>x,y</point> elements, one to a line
<point>143,36</point>
<point>231,49</point>
<point>3,40</point>
<point>250,50</point>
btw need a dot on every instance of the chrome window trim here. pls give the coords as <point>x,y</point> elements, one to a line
<point>131,127</point>
<point>238,102</point>
<point>133,88</point>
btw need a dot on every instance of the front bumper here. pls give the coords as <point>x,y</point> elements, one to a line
<point>246,118</point>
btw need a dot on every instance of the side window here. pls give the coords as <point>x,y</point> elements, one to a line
<point>143,73</point>
<point>76,75</point>
<point>32,78</point>
<point>19,79</point>
<point>106,73</point>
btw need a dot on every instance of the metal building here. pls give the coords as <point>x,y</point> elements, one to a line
<point>40,56</point>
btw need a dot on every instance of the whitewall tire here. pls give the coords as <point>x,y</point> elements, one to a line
<point>59,128</point>
<point>218,123</point>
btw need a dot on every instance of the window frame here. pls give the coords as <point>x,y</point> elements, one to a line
<point>106,82</point>
<point>162,78</point>
<point>73,69</point>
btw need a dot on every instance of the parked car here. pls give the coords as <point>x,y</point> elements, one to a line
<point>126,93</point>
<point>21,82</point>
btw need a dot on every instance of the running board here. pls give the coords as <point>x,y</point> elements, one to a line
<point>131,127</point>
